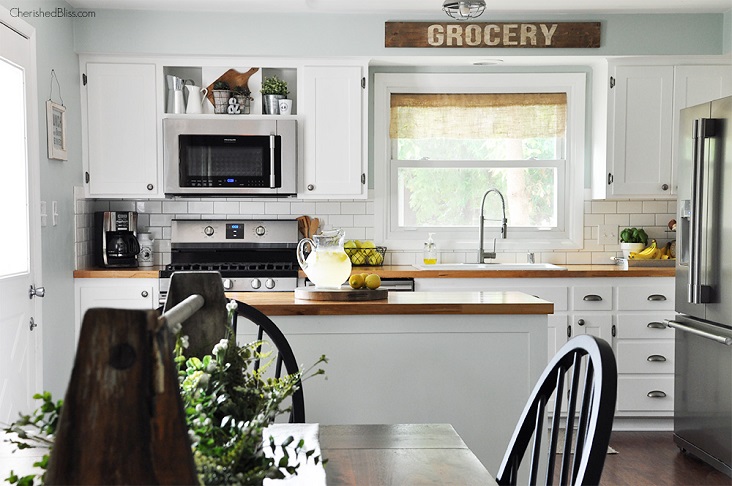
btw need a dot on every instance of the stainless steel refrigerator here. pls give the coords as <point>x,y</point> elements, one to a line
<point>703,375</point>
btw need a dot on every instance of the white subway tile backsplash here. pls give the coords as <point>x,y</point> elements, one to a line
<point>226,207</point>
<point>655,206</point>
<point>200,207</point>
<point>604,207</point>
<point>357,218</point>
<point>175,207</point>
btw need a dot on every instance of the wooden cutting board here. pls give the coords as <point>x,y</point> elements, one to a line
<point>353,295</point>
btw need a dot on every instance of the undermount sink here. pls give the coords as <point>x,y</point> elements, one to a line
<point>489,266</point>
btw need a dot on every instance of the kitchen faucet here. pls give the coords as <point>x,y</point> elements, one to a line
<point>482,255</point>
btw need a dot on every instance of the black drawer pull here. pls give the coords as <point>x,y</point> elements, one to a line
<point>656,357</point>
<point>592,298</point>
<point>657,325</point>
<point>656,297</point>
<point>656,394</point>
<point>581,322</point>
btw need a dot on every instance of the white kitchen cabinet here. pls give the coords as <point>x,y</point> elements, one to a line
<point>116,293</point>
<point>643,114</point>
<point>628,313</point>
<point>645,349</point>
<point>120,130</point>
<point>640,128</point>
<point>334,133</point>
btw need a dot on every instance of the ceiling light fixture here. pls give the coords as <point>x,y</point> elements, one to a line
<point>464,9</point>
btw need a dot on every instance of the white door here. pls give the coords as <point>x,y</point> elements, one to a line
<point>20,336</point>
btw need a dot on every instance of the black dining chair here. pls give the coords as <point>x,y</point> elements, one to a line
<point>586,367</point>
<point>268,330</point>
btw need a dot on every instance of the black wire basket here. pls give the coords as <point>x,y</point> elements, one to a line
<point>366,257</point>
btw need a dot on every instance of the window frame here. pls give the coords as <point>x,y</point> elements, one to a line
<point>571,168</point>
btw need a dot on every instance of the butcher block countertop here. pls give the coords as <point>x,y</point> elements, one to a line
<point>407,271</point>
<point>510,302</point>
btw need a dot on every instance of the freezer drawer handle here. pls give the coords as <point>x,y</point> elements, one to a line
<point>656,394</point>
<point>656,325</point>
<point>592,298</point>
<point>656,357</point>
<point>700,332</point>
<point>656,297</point>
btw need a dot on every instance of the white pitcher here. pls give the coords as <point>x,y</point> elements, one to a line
<point>196,95</point>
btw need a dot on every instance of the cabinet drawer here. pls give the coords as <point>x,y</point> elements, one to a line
<point>644,326</point>
<point>645,356</point>
<point>592,297</point>
<point>634,391</point>
<point>646,297</point>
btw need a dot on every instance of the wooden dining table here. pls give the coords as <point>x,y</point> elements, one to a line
<point>401,454</point>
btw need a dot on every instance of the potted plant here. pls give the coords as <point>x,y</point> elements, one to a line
<point>273,89</point>
<point>221,94</point>
<point>243,98</point>
<point>632,240</point>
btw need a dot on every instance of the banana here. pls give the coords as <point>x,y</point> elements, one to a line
<point>651,252</point>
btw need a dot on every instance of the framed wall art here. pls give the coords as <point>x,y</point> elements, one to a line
<point>56,126</point>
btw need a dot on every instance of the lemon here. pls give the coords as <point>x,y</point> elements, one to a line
<point>364,275</point>
<point>367,244</point>
<point>373,281</point>
<point>350,244</point>
<point>356,281</point>
<point>376,258</point>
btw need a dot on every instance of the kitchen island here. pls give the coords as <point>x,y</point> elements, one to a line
<point>469,359</point>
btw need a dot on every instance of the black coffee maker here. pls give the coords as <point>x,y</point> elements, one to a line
<point>115,239</point>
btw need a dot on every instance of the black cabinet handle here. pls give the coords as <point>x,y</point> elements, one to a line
<point>656,325</point>
<point>592,298</point>
<point>656,357</point>
<point>656,394</point>
<point>656,297</point>
<point>144,293</point>
<point>581,322</point>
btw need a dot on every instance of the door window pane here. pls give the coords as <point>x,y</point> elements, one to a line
<point>14,259</point>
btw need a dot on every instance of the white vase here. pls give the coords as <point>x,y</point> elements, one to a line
<point>628,247</point>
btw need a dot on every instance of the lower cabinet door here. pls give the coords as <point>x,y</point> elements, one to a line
<point>645,393</point>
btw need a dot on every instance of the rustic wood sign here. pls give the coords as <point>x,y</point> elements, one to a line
<point>493,34</point>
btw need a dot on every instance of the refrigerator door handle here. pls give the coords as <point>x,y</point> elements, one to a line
<point>698,293</point>
<point>726,340</point>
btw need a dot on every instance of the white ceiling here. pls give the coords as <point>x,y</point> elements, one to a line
<point>414,7</point>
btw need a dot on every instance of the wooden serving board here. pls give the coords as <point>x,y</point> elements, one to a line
<point>353,295</point>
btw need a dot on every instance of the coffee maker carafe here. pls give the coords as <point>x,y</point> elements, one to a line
<point>115,239</point>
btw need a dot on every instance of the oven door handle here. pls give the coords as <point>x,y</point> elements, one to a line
<point>272,179</point>
<point>718,338</point>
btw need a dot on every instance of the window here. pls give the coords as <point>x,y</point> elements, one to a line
<point>442,140</point>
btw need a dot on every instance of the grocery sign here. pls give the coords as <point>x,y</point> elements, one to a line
<point>493,34</point>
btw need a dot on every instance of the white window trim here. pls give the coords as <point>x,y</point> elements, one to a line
<point>574,84</point>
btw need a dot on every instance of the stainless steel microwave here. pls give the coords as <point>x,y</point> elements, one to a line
<point>229,156</point>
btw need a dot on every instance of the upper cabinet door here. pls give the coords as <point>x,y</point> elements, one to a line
<point>640,132</point>
<point>121,130</point>
<point>334,160</point>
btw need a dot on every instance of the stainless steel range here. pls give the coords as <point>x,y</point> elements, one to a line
<point>251,255</point>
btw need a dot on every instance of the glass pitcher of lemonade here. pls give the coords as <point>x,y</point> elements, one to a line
<point>327,265</point>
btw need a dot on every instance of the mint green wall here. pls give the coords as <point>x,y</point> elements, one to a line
<point>315,35</point>
<point>55,50</point>
<point>727,35</point>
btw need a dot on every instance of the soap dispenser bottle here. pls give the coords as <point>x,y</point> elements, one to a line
<point>430,251</point>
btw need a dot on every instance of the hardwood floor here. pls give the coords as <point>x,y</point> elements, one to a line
<point>652,458</point>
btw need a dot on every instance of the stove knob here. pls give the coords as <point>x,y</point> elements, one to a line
<point>228,284</point>
<point>260,230</point>
<point>208,231</point>
<point>269,283</point>
<point>256,283</point>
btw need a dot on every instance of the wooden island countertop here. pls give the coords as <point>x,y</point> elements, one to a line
<point>485,302</point>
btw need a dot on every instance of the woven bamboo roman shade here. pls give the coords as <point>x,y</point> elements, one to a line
<point>478,115</point>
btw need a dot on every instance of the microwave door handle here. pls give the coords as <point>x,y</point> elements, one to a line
<point>698,293</point>
<point>272,181</point>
